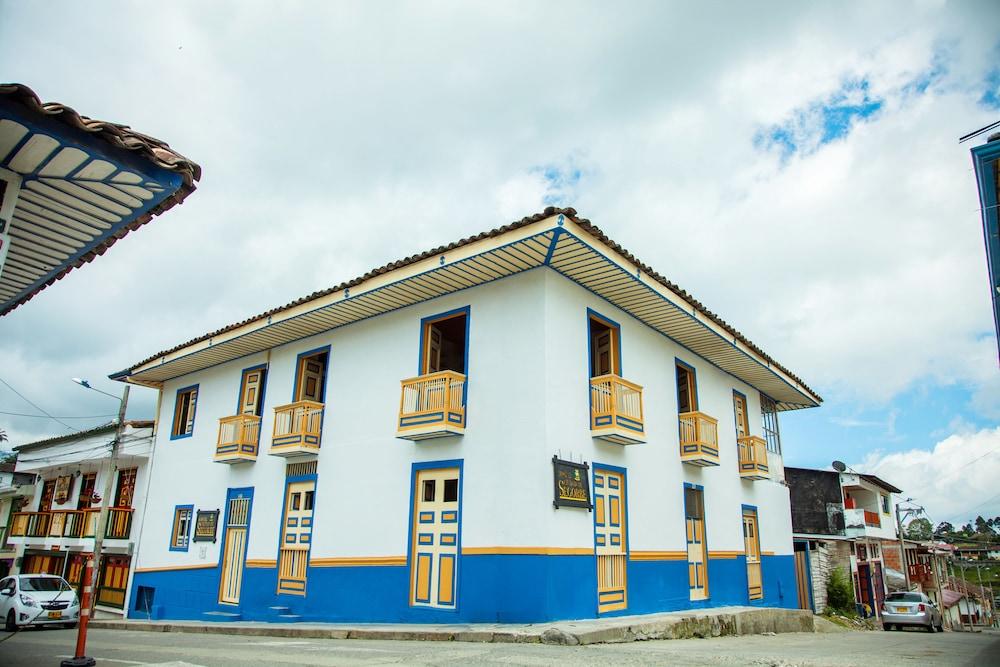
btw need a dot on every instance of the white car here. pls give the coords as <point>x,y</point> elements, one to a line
<point>37,599</point>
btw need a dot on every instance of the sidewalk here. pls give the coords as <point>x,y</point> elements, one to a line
<point>672,625</point>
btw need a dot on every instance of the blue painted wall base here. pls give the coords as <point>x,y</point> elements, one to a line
<point>492,589</point>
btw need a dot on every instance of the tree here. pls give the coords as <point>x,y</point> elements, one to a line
<point>982,527</point>
<point>944,530</point>
<point>967,530</point>
<point>919,529</point>
<point>840,593</point>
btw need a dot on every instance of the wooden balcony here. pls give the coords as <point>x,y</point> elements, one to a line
<point>699,436</point>
<point>753,457</point>
<point>238,439</point>
<point>616,410</point>
<point>297,428</point>
<point>921,573</point>
<point>432,406</point>
<point>73,524</point>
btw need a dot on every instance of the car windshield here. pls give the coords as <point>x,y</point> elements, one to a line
<point>44,584</point>
<point>904,597</point>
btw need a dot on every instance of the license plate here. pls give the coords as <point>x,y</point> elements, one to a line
<point>55,614</point>
<point>902,610</point>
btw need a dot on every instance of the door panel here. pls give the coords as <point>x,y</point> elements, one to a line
<point>436,511</point>
<point>296,537</point>
<point>311,373</point>
<point>610,540</point>
<point>751,541</point>
<point>250,391</point>
<point>234,550</point>
<point>740,408</point>
<point>697,548</point>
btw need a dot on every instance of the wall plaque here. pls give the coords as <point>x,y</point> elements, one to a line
<point>571,484</point>
<point>205,526</point>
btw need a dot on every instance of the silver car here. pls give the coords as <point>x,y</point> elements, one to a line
<point>902,609</point>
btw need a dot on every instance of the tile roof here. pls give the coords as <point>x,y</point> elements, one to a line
<point>156,152</point>
<point>570,213</point>
<point>110,427</point>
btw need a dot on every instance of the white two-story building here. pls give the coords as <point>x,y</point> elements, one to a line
<point>54,530</point>
<point>578,437</point>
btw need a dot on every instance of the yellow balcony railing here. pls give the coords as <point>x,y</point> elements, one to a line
<point>238,438</point>
<point>71,523</point>
<point>616,410</point>
<point>699,435</point>
<point>753,457</point>
<point>297,428</point>
<point>432,406</point>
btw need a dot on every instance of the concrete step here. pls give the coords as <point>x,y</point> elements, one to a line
<point>222,616</point>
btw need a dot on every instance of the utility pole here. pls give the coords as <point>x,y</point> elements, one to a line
<point>968,603</point>
<point>902,549</point>
<point>80,659</point>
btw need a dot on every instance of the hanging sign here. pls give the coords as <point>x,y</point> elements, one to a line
<point>571,484</point>
<point>64,486</point>
<point>205,525</point>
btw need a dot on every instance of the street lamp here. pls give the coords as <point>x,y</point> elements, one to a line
<point>91,573</point>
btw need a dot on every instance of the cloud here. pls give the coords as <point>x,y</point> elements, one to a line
<point>954,481</point>
<point>338,137</point>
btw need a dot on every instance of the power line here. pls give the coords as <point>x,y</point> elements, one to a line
<point>36,407</point>
<point>25,414</point>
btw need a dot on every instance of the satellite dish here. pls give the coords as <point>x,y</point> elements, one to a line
<point>839,466</point>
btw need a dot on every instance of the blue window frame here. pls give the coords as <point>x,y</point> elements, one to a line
<point>185,405</point>
<point>180,534</point>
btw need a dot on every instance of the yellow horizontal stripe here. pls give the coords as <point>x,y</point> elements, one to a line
<point>355,561</point>
<point>658,555</point>
<point>528,551</point>
<point>724,554</point>
<point>261,562</point>
<point>175,567</point>
<point>767,553</point>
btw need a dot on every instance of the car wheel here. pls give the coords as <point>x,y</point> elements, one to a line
<point>887,627</point>
<point>11,624</point>
<point>931,629</point>
<point>70,626</point>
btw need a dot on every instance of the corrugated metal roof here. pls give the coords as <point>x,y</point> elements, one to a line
<point>110,427</point>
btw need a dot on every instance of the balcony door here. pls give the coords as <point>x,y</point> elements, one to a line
<point>126,487</point>
<point>687,391</point>
<point>312,373</point>
<point>48,491</point>
<point>444,343</point>
<point>740,410</point>
<point>434,561</point>
<point>697,549</point>
<point>251,388</point>
<point>604,346</point>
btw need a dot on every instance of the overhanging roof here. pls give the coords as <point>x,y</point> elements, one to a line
<point>985,160</point>
<point>556,238</point>
<point>83,184</point>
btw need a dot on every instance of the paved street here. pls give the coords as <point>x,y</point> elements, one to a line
<point>114,647</point>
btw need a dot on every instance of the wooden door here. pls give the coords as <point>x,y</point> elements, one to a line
<point>751,541</point>
<point>126,487</point>
<point>75,569</point>
<point>436,511</point>
<point>113,580</point>
<point>296,537</point>
<point>687,394</point>
<point>864,588</point>
<point>311,372</point>
<point>602,353</point>
<point>250,391</point>
<point>610,540</point>
<point>802,579</point>
<point>234,549</point>
<point>697,547</point>
<point>740,408</point>
<point>432,362</point>
<point>48,491</point>
<point>86,490</point>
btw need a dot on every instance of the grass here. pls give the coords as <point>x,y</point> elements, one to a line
<point>990,573</point>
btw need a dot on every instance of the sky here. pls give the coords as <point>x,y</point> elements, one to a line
<point>796,166</point>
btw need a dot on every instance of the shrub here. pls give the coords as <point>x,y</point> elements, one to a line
<point>840,593</point>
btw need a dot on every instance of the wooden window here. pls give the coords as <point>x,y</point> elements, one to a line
<point>605,347</point>
<point>885,505</point>
<point>180,536</point>
<point>310,379</point>
<point>184,409</point>
<point>687,389</point>
<point>126,487</point>
<point>769,420</point>
<point>444,344</point>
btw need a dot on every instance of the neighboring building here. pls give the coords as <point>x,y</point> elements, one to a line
<point>976,605</point>
<point>327,478</point>
<point>15,488</point>
<point>55,531</point>
<point>989,552</point>
<point>842,520</point>
<point>70,187</point>
<point>985,160</point>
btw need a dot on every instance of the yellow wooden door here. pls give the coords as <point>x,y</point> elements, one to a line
<point>234,550</point>
<point>250,392</point>
<point>740,408</point>
<point>751,539</point>
<point>296,537</point>
<point>610,540</point>
<point>311,372</point>
<point>697,549</point>
<point>434,565</point>
<point>432,363</point>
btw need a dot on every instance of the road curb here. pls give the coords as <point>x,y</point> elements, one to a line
<point>673,625</point>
